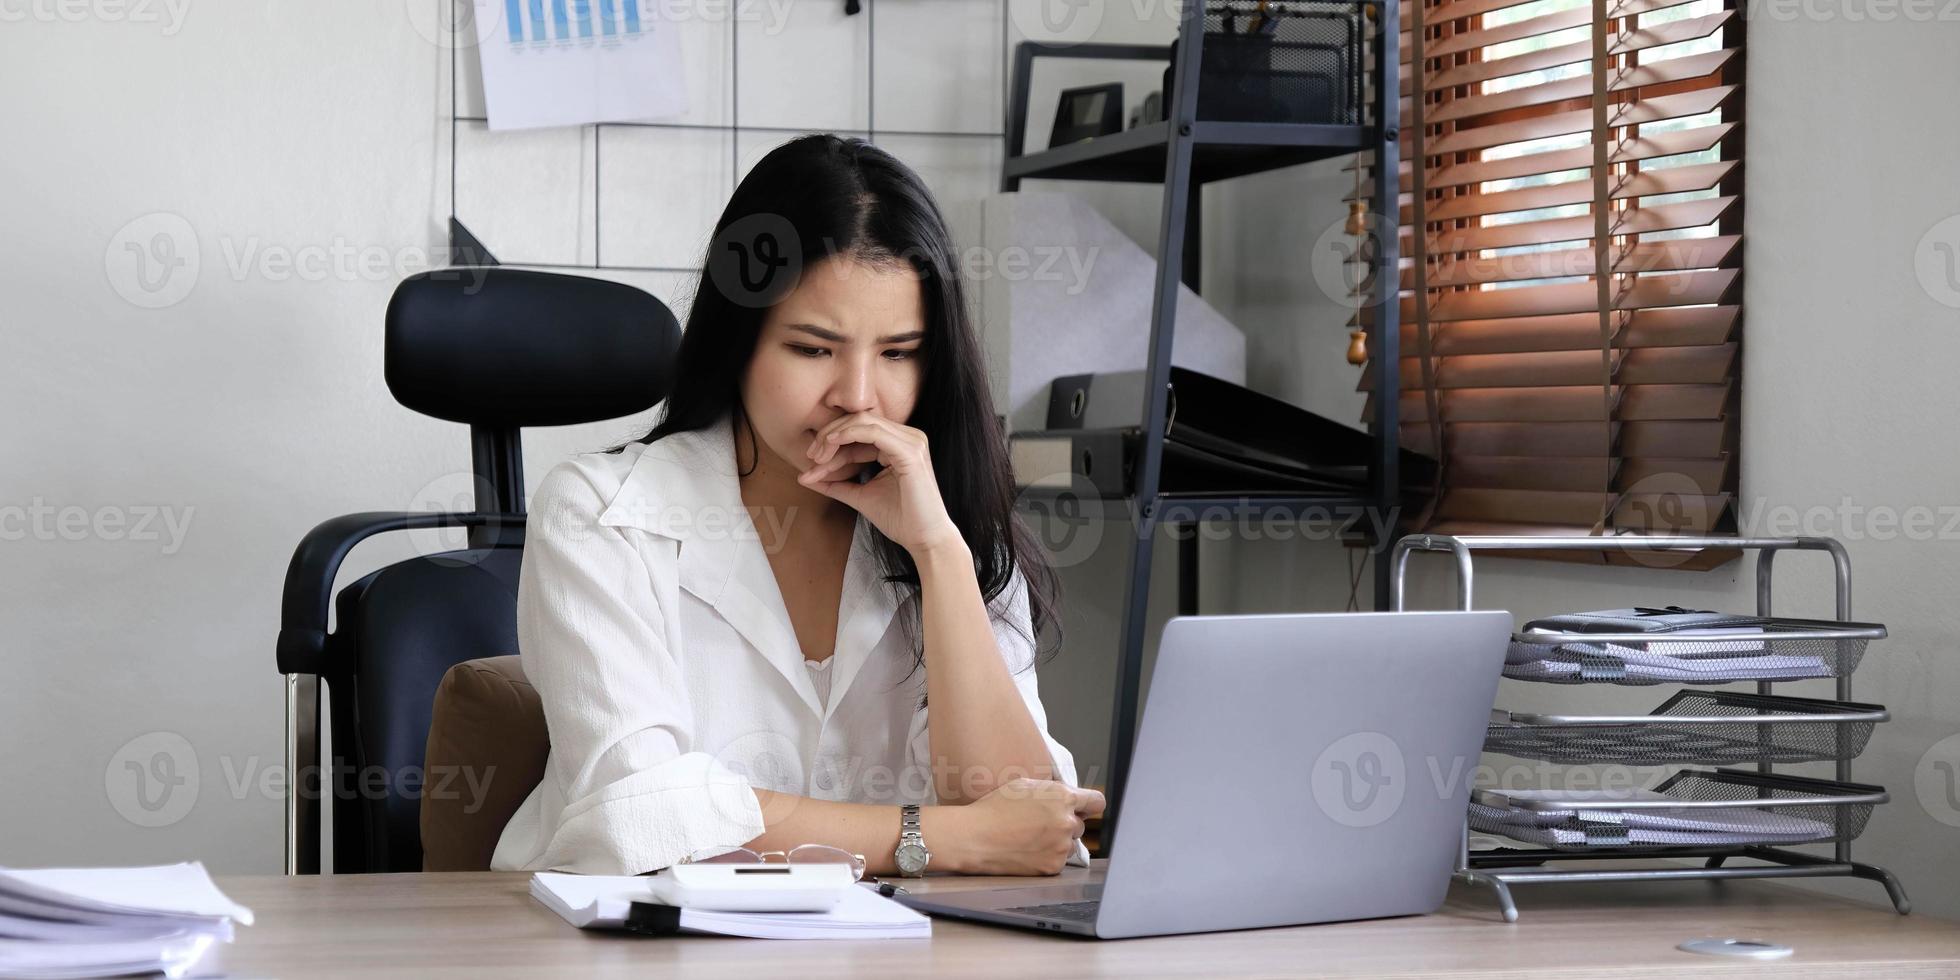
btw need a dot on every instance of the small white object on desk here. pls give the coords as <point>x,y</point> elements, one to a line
<point>753,887</point>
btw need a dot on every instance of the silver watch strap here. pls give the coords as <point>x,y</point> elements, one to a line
<point>908,815</point>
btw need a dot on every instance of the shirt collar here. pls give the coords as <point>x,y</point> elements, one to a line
<point>684,486</point>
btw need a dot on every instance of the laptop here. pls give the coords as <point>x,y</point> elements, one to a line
<point>1289,769</point>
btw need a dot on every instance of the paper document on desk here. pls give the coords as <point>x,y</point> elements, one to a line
<point>602,902</point>
<point>61,923</point>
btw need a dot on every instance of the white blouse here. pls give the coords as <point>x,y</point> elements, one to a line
<point>650,622</point>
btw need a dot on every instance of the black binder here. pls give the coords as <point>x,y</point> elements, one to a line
<point>1219,438</point>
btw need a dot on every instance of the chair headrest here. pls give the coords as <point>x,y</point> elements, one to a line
<point>504,347</point>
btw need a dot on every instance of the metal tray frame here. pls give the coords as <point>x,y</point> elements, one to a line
<point>1500,870</point>
<point>1798,712</point>
<point>1848,642</point>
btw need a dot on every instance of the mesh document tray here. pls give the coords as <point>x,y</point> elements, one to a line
<point>1771,650</point>
<point>1307,70</point>
<point>1692,808</point>
<point>1701,727</point>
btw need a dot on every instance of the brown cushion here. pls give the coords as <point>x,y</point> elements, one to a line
<point>487,722</point>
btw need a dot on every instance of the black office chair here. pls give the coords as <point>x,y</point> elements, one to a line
<point>496,349</point>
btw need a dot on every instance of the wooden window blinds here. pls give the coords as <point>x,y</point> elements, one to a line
<point>1571,274</point>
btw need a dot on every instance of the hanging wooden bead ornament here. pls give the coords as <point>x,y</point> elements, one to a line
<point>1357,352</point>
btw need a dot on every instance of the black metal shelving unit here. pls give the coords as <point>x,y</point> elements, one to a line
<point>1183,153</point>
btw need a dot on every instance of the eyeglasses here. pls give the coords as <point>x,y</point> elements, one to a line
<point>801,854</point>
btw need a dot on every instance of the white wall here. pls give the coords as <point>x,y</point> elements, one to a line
<point>254,407</point>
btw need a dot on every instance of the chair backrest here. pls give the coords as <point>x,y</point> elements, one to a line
<point>401,629</point>
<point>497,349</point>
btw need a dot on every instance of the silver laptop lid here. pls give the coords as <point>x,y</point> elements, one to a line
<point>1301,768</point>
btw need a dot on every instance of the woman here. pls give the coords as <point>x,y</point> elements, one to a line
<point>738,623</point>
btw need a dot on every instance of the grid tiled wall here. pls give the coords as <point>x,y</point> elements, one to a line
<point>924,79</point>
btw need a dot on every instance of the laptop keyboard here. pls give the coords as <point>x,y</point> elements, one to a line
<point>1072,911</point>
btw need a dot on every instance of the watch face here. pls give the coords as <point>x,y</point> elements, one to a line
<point>912,858</point>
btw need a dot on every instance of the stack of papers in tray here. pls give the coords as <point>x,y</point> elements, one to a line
<point>602,902</point>
<point>58,923</point>
<point>1709,662</point>
<point>1640,825</point>
<point>1688,646</point>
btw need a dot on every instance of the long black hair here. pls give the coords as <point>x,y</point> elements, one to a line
<point>820,196</point>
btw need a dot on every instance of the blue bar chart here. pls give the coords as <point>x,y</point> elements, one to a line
<point>529,22</point>
<point>574,62</point>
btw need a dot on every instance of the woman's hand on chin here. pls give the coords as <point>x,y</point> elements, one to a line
<point>903,500</point>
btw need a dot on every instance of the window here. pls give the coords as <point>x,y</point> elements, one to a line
<point>1571,275</point>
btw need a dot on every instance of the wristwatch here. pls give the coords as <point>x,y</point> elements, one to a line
<point>912,856</point>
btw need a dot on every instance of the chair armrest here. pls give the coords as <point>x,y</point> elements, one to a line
<point>310,576</point>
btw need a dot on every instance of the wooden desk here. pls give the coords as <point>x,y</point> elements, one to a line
<point>487,925</point>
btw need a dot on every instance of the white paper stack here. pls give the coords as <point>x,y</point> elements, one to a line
<point>603,901</point>
<point>58,923</point>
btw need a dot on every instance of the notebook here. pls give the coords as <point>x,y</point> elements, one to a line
<point>604,901</point>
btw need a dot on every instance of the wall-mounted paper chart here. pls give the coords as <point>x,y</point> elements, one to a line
<point>570,62</point>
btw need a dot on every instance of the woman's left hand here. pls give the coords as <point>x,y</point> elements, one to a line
<point>903,500</point>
